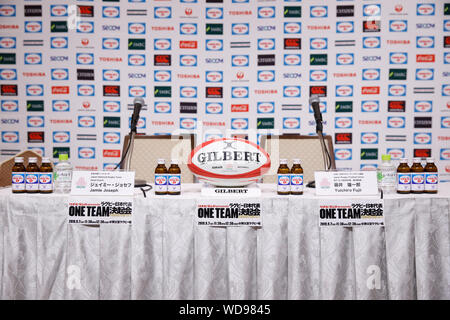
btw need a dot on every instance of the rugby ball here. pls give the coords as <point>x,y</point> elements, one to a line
<point>229,162</point>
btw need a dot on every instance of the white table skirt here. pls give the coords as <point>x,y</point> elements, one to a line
<point>163,255</point>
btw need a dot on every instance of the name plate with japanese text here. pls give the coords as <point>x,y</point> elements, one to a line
<point>103,183</point>
<point>344,183</point>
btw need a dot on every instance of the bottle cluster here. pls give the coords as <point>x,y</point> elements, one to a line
<point>290,181</point>
<point>417,179</point>
<point>44,179</point>
<point>32,178</point>
<point>167,181</point>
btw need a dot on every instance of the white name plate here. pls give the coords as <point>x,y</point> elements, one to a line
<point>102,183</point>
<point>211,191</point>
<point>335,183</point>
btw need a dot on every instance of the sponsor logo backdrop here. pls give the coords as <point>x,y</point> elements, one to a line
<point>69,71</point>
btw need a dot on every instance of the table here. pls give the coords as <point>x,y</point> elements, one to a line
<point>164,255</point>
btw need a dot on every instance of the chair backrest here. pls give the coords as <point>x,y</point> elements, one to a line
<point>291,146</point>
<point>6,166</point>
<point>148,149</point>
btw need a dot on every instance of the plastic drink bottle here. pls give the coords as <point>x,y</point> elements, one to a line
<point>63,174</point>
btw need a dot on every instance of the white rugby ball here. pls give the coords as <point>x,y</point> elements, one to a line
<point>229,162</point>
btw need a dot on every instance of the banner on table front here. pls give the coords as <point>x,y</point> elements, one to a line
<point>100,210</point>
<point>229,213</point>
<point>351,213</point>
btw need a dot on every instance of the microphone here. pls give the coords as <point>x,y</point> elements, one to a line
<point>314,101</point>
<point>138,103</point>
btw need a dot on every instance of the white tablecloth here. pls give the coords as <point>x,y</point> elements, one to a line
<point>164,255</point>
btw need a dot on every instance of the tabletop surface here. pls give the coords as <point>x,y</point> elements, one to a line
<point>193,191</point>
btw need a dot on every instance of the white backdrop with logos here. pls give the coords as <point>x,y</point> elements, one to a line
<point>70,71</point>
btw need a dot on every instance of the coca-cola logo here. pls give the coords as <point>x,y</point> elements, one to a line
<point>108,153</point>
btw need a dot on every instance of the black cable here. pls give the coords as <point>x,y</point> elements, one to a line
<point>123,155</point>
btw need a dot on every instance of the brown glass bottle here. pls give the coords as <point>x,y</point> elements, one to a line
<point>161,178</point>
<point>403,177</point>
<point>174,178</point>
<point>417,177</point>
<point>284,180</point>
<point>46,176</point>
<point>431,177</point>
<point>18,176</point>
<point>297,178</point>
<point>32,176</point>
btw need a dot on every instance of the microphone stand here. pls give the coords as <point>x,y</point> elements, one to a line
<point>319,131</point>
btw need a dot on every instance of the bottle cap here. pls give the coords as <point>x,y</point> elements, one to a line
<point>32,160</point>
<point>297,161</point>
<point>283,161</point>
<point>416,160</point>
<point>45,160</point>
<point>403,160</point>
<point>430,160</point>
<point>386,157</point>
<point>161,161</point>
<point>63,157</point>
<point>174,161</point>
<point>18,159</point>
